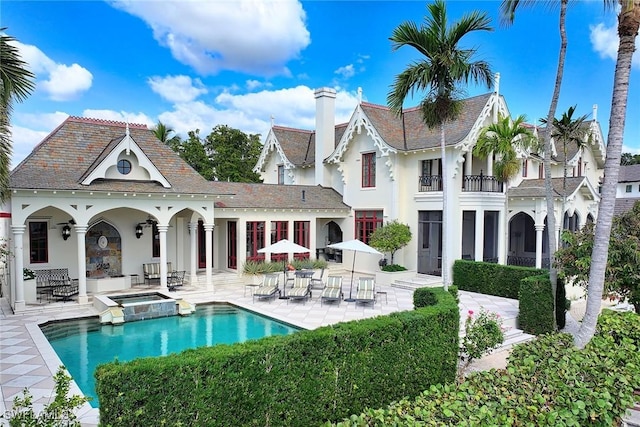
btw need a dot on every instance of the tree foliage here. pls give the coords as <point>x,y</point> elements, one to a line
<point>390,237</point>
<point>16,84</point>
<point>226,154</point>
<point>630,159</point>
<point>622,274</point>
<point>233,154</point>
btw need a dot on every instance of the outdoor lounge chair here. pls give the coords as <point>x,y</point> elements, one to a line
<point>301,289</point>
<point>332,290</point>
<point>269,287</point>
<point>317,281</point>
<point>366,291</point>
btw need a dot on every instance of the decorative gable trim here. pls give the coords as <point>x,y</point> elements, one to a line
<point>495,106</point>
<point>271,143</point>
<point>359,120</point>
<point>142,169</point>
<point>585,184</point>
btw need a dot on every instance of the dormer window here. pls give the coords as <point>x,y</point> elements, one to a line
<point>124,166</point>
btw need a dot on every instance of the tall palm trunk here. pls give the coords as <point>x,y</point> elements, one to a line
<point>445,211</point>
<point>628,24</point>
<point>551,219</point>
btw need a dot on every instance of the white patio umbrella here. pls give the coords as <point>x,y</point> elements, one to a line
<point>355,246</point>
<point>284,246</point>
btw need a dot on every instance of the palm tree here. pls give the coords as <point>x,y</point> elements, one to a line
<point>504,139</point>
<point>163,133</point>
<point>628,25</point>
<point>16,84</point>
<point>445,66</point>
<point>566,131</point>
<point>508,9</point>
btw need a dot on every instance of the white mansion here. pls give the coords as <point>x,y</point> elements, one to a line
<point>101,198</point>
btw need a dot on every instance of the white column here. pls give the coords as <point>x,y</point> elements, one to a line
<point>479,240</point>
<point>208,238</point>
<point>18,252</point>
<point>558,228</point>
<point>193,249</point>
<point>490,164</point>
<point>502,238</point>
<point>539,230</point>
<point>313,226</point>
<point>81,231</point>
<point>162,234</point>
<point>468,165</point>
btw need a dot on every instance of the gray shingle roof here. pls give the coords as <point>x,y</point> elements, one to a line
<point>535,187</point>
<point>299,145</point>
<point>408,132</point>
<point>73,149</point>
<point>275,196</point>
<point>629,173</point>
<point>624,205</point>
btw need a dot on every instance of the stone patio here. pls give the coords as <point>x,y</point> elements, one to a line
<point>27,359</point>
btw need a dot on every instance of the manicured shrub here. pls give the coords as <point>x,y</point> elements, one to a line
<point>296,380</point>
<point>491,279</point>
<point>393,268</point>
<point>535,314</point>
<point>562,304</point>
<point>548,382</point>
<point>424,297</point>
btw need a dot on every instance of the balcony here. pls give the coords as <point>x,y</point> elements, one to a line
<point>430,183</point>
<point>481,184</point>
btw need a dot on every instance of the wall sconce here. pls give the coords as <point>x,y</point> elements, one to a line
<point>66,232</point>
<point>138,231</point>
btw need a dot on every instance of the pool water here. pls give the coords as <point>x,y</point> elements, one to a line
<point>84,344</point>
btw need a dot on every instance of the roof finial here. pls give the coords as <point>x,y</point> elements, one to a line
<point>128,136</point>
<point>497,83</point>
<point>595,112</point>
<point>272,120</point>
<point>359,95</point>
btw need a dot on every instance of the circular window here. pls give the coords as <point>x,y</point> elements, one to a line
<point>124,166</point>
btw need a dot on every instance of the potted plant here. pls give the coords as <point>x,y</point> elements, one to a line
<point>28,274</point>
<point>389,238</point>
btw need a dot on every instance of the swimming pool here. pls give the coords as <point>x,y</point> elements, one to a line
<point>84,344</point>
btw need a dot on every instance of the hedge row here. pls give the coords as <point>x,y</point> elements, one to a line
<point>548,382</point>
<point>301,379</point>
<point>535,314</point>
<point>491,279</point>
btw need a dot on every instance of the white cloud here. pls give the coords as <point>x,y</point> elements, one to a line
<point>29,129</point>
<point>605,41</point>
<point>120,116</point>
<point>177,88</point>
<point>256,37</point>
<point>61,82</point>
<point>346,72</point>
<point>24,141</point>
<point>251,113</point>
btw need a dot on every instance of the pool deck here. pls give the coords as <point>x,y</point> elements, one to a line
<point>27,359</point>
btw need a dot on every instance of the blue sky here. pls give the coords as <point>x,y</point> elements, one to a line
<point>198,64</point>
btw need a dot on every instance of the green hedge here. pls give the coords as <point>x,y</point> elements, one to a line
<point>491,279</point>
<point>548,382</point>
<point>301,379</point>
<point>535,314</point>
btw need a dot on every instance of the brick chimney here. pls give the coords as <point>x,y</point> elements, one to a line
<point>325,133</point>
